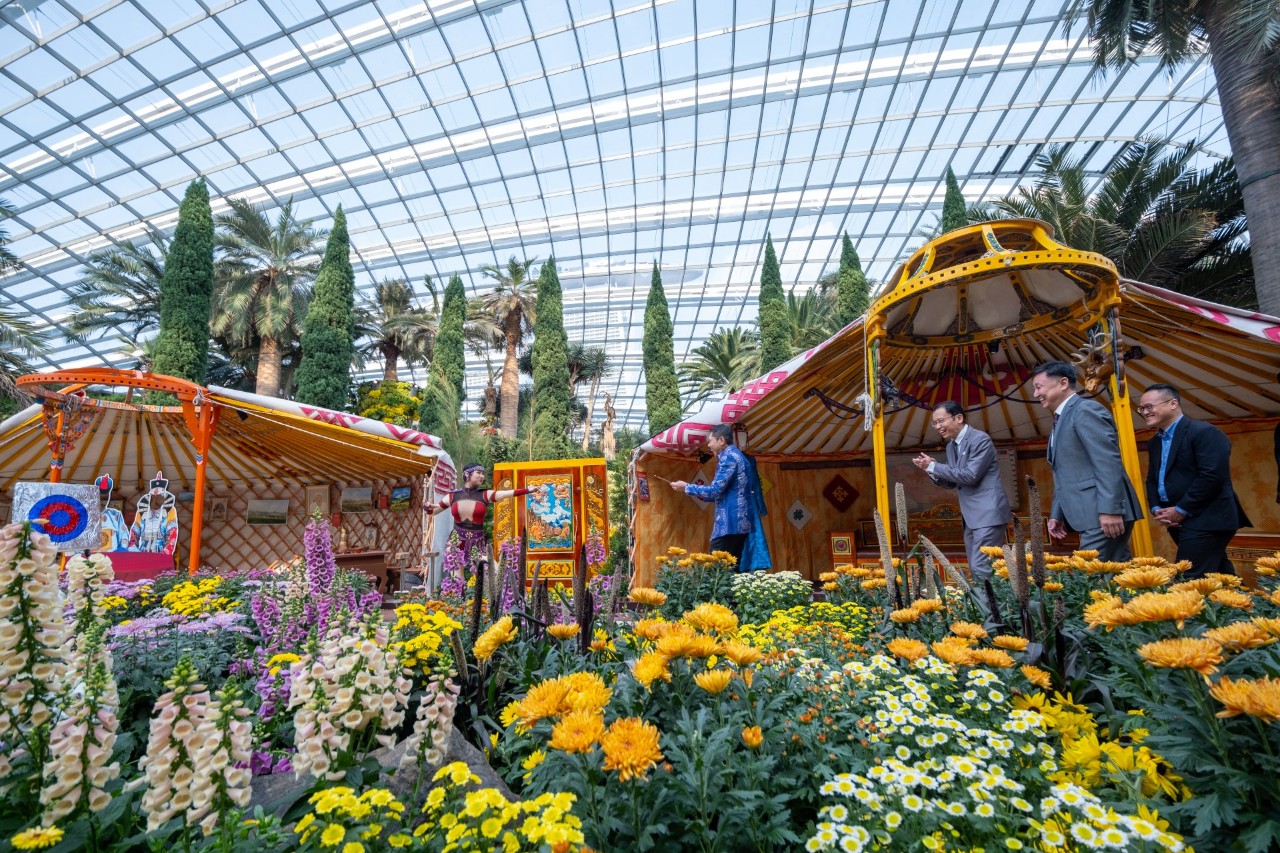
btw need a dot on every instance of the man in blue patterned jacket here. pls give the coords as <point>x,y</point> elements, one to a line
<point>731,490</point>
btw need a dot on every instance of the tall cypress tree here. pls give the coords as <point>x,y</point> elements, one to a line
<point>853,296</point>
<point>954,213</point>
<point>661,387</point>
<point>552,400</point>
<point>448,363</point>
<point>328,332</point>
<point>186,292</point>
<point>775,338</point>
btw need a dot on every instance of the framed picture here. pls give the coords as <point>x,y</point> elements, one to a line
<point>218,509</point>
<point>268,512</point>
<point>357,499</point>
<point>316,497</point>
<point>642,485</point>
<point>401,496</point>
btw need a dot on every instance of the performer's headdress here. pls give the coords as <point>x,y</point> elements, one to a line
<point>105,484</point>
<point>474,466</point>
<point>160,482</point>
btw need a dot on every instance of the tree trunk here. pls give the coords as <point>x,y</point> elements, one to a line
<point>509,417</point>
<point>1251,110</point>
<point>270,358</point>
<point>591,407</point>
<point>390,363</point>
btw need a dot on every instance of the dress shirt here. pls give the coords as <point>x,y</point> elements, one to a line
<point>1166,443</point>
<point>956,441</point>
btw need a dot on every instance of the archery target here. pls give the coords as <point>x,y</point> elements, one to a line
<point>67,513</point>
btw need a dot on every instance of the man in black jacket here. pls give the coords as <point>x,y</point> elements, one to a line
<point>1189,482</point>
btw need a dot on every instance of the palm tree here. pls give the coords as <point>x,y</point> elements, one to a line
<point>1243,39</point>
<point>396,327</point>
<point>511,304</point>
<point>264,279</point>
<point>811,318</point>
<point>19,338</point>
<point>1160,220</point>
<point>594,366</point>
<point>120,289</point>
<point>720,365</point>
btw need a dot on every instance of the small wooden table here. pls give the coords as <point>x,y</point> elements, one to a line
<point>372,563</point>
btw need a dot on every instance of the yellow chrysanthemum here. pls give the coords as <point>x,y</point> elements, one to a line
<point>1239,636</point>
<point>752,736</point>
<point>905,616</point>
<point>1145,577</point>
<point>827,576</point>
<point>1036,676</point>
<point>631,747</point>
<point>712,617</point>
<point>1228,581</point>
<point>994,551</point>
<point>714,681</point>
<point>740,653</point>
<point>992,657</point>
<point>544,700</point>
<point>1232,598</point>
<point>333,835</point>
<point>577,732</point>
<point>1086,554</point>
<point>1200,654</point>
<point>1271,626</point>
<point>1204,586</point>
<point>36,838</point>
<point>650,629</point>
<point>1165,606</point>
<point>968,629</point>
<point>585,691</point>
<point>647,596</point>
<point>908,649</point>
<point>953,650</point>
<point>1258,698</point>
<point>563,632</point>
<point>874,583</point>
<point>500,632</point>
<point>651,667</point>
<point>1010,642</point>
<point>1052,586</point>
<point>700,646</point>
<point>924,606</point>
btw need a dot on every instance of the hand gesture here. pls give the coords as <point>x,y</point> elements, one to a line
<point>923,461</point>
<point>679,485</point>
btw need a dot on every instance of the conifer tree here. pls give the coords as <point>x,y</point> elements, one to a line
<point>186,292</point>
<point>853,296</point>
<point>552,400</point>
<point>661,388</point>
<point>328,332</point>
<point>448,364</point>
<point>954,213</point>
<point>775,340</point>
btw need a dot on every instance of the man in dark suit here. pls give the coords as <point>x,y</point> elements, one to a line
<point>1092,494</point>
<point>1189,482</point>
<point>974,472</point>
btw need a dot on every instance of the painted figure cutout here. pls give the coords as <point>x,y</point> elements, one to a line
<point>115,533</point>
<point>155,526</point>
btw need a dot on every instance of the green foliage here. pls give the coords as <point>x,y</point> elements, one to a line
<point>186,292</point>
<point>328,333</point>
<point>552,398</point>
<point>448,365</point>
<point>775,343</point>
<point>756,595</point>
<point>853,295</point>
<point>391,402</point>
<point>691,579</point>
<point>661,389</point>
<point>953,206</point>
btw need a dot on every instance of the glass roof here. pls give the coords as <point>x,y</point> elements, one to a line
<point>456,133</point>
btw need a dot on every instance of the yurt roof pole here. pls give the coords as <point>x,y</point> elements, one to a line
<point>875,336</point>
<point>1140,541</point>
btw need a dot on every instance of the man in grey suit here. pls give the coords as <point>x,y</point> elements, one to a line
<point>973,471</point>
<point>1092,494</point>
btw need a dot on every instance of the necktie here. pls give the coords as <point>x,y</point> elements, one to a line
<point>1055,419</point>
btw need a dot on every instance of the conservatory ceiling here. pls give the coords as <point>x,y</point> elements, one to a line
<point>608,134</point>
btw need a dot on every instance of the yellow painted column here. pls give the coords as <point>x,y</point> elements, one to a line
<point>879,463</point>
<point>1121,412</point>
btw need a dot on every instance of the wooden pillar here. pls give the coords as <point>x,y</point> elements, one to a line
<point>202,437</point>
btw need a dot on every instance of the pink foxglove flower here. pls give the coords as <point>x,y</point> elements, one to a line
<point>169,763</point>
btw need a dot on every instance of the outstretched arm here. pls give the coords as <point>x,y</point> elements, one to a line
<point>445,503</point>
<point>495,495</point>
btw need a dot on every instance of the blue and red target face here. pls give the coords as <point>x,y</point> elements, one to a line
<point>64,517</point>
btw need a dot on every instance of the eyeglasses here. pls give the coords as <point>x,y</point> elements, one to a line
<point>941,421</point>
<point>1151,407</point>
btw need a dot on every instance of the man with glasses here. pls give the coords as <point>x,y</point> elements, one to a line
<point>1092,494</point>
<point>974,472</point>
<point>1189,482</point>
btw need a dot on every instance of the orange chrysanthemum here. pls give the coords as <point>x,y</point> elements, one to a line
<point>905,615</point>
<point>1165,606</point>
<point>713,617</point>
<point>992,550</point>
<point>828,576</point>
<point>752,736</point>
<point>577,732</point>
<point>500,632</point>
<point>563,632</point>
<point>651,667</point>
<point>1202,655</point>
<point>1258,698</point>
<point>647,596</point>
<point>1225,579</point>
<point>1036,676</point>
<point>701,646</point>
<point>953,650</point>
<point>740,653</point>
<point>1087,554</point>
<point>1204,586</point>
<point>650,629</point>
<point>1010,642</point>
<point>969,630</point>
<point>831,586</point>
<point>880,583</point>
<point>1232,598</point>
<point>675,639</point>
<point>1239,636</point>
<point>1145,577</point>
<point>992,657</point>
<point>631,747</point>
<point>908,649</point>
<point>1271,626</point>
<point>585,691</point>
<point>714,680</point>
<point>1052,586</point>
<point>925,606</point>
<point>543,700</point>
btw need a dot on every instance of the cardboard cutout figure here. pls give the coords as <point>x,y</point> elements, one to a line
<point>115,533</point>
<point>155,525</point>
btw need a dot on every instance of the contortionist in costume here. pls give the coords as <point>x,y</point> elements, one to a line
<point>469,506</point>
